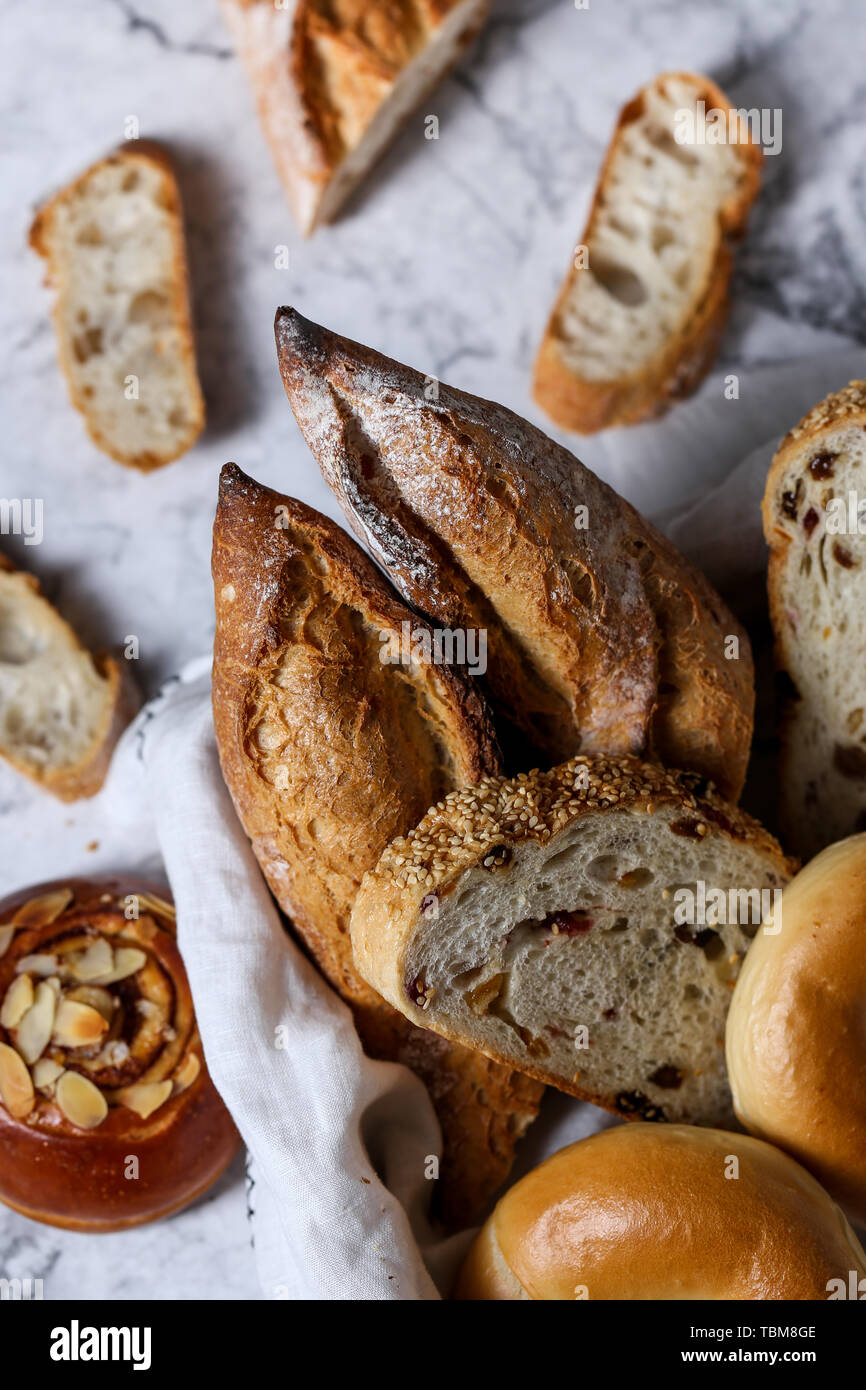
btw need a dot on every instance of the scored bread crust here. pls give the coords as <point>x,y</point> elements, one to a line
<point>327,754</point>
<point>322,72</point>
<point>153,155</point>
<point>586,406</point>
<point>601,638</point>
<point>85,776</point>
<point>477,827</point>
<point>648,1212</point>
<point>808,827</point>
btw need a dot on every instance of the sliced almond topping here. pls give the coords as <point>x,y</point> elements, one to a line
<point>187,1072</point>
<point>34,1031</point>
<point>16,1087</point>
<point>98,999</point>
<point>42,911</point>
<point>19,997</point>
<point>127,961</point>
<point>80,1101</point>
<point>78,1025</point>
<point>6,935</point>
<point>145,1097</point>
<point>151,903</point>
<point>36,965</point>
<point>96,961</point>
<point>54,983</point>
<point>45,1073</point>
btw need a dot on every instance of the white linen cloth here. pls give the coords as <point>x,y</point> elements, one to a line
<point>315,1113</point>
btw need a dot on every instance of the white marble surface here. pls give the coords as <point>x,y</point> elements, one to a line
<point>448,260</point>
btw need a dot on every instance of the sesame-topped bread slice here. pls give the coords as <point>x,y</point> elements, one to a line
<point>815,524</point>
<point>586,925</point>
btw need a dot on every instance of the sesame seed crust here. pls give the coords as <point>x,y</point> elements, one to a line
<point>834,410</point>
<point>463,828</point>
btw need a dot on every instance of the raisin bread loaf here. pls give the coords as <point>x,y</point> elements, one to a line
<point>815,525</point>
<point>585,924</point>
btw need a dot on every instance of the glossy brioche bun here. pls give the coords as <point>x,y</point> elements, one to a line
<point>108,1071</point>
<point>796,1031</point>
<point>648,1212</point>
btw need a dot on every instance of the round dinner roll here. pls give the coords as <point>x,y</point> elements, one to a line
<point>663,1212</point>
<point>796,1031</point>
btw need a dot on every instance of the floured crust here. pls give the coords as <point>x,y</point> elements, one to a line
<point>324,70</point>
<point>642,1212</point>
<point>43,240</point>
<point>601,638</point>
<point>85,775</point>
<point>588,405</point>
<point>328,753</point>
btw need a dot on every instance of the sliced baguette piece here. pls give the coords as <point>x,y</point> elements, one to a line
<point>114,243</point>
<point>639,325</point>
<point>328,752</point>
<point>600,637</point>
<point>335,80</point>
<point>815,524</point>
<point>538,919</point>
<point>62,710</point>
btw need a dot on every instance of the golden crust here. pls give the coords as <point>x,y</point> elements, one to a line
<point>62,1175</point>
<point>795,1044</point>
<point>328,753</point>
<point>600,638</point>
<point>321,73</point>
<point>154,155</point>
<point>472,822</point>
<point>642,1212</point>
<point>585,406</point>
<point>84,778</point>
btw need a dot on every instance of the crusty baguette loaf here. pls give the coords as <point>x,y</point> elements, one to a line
<point>61,709</point>
<point>328,753</point>
<point>601,638</point>
<point>817,590</point>
<point>539,920</point>
<point>638,324</point>
<point>114,243</point>
<point>335,80</point>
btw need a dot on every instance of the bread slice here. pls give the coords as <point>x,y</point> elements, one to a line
<point>329,751</point>
<point>543,920</point>
<point>114,243</point>
<point>336,79</point>
<point>815,524</point>
<point>639,324</point>
<point>61,709</point>
<point>600,637</point>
